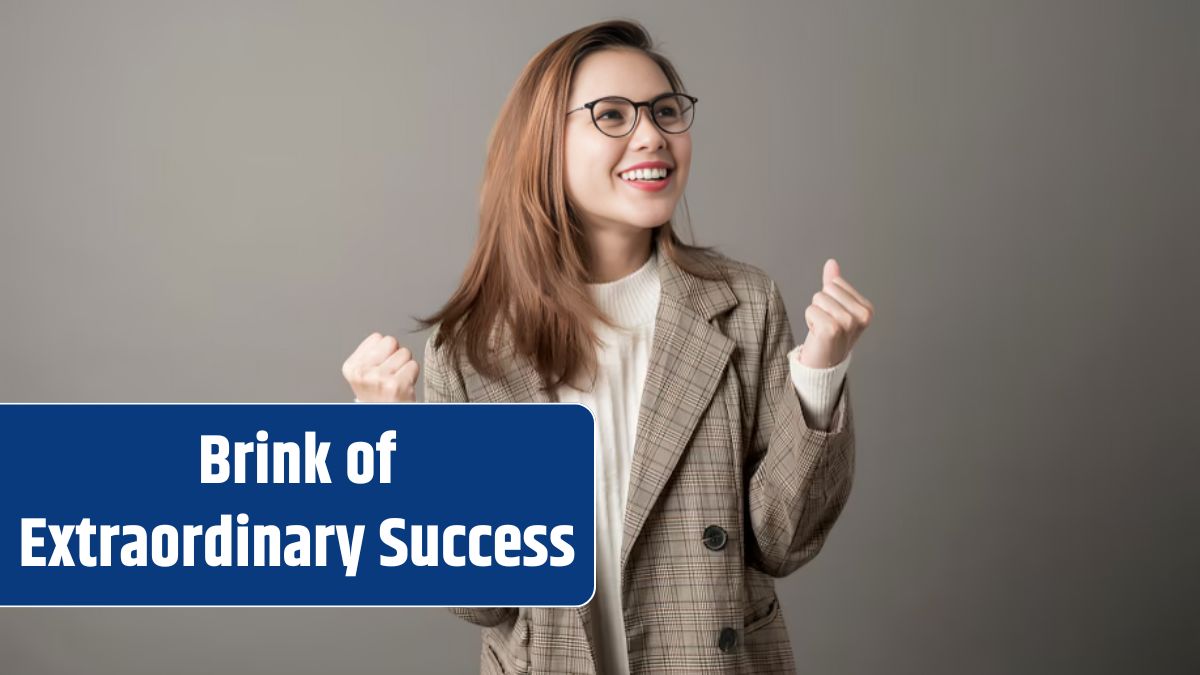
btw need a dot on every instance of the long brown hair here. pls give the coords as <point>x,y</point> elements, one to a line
<point>528,271</point>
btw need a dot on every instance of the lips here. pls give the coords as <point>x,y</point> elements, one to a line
<point>649,185</point>
<point>652,176</point>
<point>653,164</point>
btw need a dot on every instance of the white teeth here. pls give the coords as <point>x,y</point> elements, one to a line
<point>645,174</point>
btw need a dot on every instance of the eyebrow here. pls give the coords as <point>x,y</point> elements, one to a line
<point>662,93</point>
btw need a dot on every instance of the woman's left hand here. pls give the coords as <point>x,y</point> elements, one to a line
<point>836,318</point>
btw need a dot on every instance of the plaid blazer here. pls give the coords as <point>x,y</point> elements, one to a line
<point>729,489</point>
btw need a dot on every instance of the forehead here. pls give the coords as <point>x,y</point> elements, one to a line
<point>617,72</point>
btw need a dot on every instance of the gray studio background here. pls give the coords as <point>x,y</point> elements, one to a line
<point>217,201</point>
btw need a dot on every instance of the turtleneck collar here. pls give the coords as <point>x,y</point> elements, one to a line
<point>631,300</point>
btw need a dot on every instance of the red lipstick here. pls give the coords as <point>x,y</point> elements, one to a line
<point>648,185</point>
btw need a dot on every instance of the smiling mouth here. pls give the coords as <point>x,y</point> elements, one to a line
<point>646,175</point>
<point>657,180</point>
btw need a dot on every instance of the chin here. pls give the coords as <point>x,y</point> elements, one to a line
<point>644,223</point>
<point>646,218</point>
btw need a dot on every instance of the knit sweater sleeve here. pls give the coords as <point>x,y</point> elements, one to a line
<point>818,388</point>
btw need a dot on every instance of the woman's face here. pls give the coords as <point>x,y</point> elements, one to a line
<point>595,162</point>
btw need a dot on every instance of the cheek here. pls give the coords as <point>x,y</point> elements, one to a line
<point>589,168</point>
<point>682,151</point>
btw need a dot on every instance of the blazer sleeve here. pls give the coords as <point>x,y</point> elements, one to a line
<point>443,384</point>
<point>798,479</point>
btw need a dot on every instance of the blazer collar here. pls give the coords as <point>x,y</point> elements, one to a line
<point>706,298</point>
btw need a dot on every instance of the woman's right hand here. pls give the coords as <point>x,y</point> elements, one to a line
<point>381,371</point>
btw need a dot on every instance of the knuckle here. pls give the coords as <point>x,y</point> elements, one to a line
<point>410,376</point>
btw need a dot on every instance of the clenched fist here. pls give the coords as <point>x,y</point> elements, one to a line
<point>381,371</point>
<point>836,318</point>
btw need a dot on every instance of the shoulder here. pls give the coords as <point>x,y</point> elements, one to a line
<point>760,316</point>
<point>436,355</point>
<point>443,378</point>
<point>753,287</point>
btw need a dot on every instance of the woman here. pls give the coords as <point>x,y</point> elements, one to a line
<point>724,451</point>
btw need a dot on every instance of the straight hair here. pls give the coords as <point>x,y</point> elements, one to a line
<point>526,281</point>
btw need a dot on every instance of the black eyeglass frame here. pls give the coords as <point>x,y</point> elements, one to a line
<point>637,112</point>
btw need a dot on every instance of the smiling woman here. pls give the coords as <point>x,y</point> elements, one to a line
<point>724,452</point>
<point>559,209</point>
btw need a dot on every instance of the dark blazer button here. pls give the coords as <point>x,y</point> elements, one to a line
<point>715,537</point>
<point>727,640</point>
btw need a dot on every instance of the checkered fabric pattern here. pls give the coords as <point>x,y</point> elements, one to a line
<point>729,490</point>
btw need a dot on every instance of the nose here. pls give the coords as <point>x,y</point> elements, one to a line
<point>646,135</point>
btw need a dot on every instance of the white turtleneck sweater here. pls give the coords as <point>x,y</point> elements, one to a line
<point>632,303</point>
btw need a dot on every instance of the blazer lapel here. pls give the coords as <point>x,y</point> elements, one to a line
<point>687,359</point>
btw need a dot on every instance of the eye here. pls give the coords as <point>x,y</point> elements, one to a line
<point>610,115</point>
<point>668,111</point>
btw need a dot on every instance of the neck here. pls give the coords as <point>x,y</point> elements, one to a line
<point>616,255</point>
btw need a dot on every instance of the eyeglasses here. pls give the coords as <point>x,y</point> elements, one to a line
<point>617,116</point>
